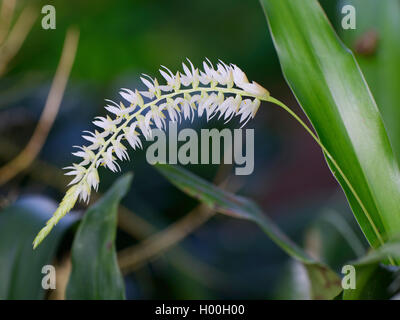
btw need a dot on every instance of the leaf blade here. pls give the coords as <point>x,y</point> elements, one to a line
<point>377,48</point>
<point>325,284</point>
<point>95,272</point>
<point>328,84</point>
<point>20,266</point>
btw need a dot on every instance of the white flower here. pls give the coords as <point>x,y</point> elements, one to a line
<point>239,77</point>
<point>172,108</point>
<point>173,81</point>
<point>214,97</point>
<point>85,153</point>
<point>119,110</point>
<point>108,160</point>
<point>120,149</point>
<point>144,126</point>
<point>76,170</point>
<point>114,108</point>
<point>245,109</point>
<point>96,138</point>
<point>255,88</point>
<point>155,114</point>
<point>248,109</point>
<point>132,136</point>
<point>242,82</point>
<point>207,77</point>
<point>154,89</point>
<point>185,107</point>
<point>225,106</point>
<point>84,191</point>
<point>107,123</point>
<point>204,98</point>
<point>93,178</point>
<point>190,77</point>
<point>133,97</point>
<point>212,109</point>
<point>230,108</point>
<point>209,104</point>
<point>223,75</point>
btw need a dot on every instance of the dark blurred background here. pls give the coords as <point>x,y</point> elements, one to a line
<point>119,40</point>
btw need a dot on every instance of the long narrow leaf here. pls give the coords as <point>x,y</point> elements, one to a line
<point>325,284</point>
<point>374,280</point>
<point>95,271</point>
<point>376,43</point>
<point>328,84</point>
<point>20,267</point>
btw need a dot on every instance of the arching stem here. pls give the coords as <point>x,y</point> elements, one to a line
<point>328,155</point>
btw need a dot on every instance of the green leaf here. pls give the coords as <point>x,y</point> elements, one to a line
<point>376,43</point>
<point>95,272</point>
<point>333,239</point>
<point>21,266</point>
<point>391,248</point>
<point>327,82</point>
<point>325,284</point>
<point>293,282</point>
<point>373,282</point>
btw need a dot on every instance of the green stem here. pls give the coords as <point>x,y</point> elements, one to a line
<point>327,153</point>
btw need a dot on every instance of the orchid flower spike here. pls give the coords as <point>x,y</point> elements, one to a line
<point>222,91</point>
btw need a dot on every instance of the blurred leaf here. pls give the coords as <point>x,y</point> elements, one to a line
<point>391,248</point>
<point>376,43</point>
<point>372,282</point>
<point>293,283</point>
<point>325,284</point>
<point>332,237</point>
<point>21,266</point>
<point>329,86</point>
<point>95,272</point>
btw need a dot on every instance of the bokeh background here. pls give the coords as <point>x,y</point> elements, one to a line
<point>119,40</point>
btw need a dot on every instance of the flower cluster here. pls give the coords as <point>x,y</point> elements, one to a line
<point>222,91</point>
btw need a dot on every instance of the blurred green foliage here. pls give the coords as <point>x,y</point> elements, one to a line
<point>118,37</point>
